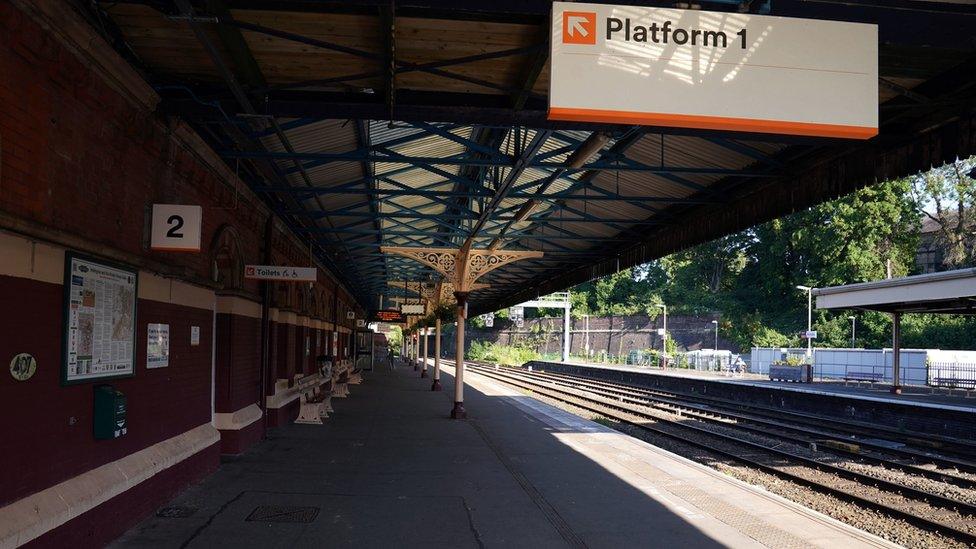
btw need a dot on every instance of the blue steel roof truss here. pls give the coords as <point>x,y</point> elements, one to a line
<point>446,168</point>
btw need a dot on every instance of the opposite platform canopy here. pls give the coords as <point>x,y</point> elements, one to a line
<point>949,292</point>
<point>374,124</point>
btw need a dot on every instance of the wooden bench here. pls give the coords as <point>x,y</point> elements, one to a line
<point>340,379</point>
<point>952,383</point>
<point>858,377</point>
<point>313,400</point>
<point>326,388</point>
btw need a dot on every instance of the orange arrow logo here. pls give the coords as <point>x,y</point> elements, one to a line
<point>579,27</point>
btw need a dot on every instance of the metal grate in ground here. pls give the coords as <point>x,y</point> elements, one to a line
<point>282,513</point>
<point>177,511</point>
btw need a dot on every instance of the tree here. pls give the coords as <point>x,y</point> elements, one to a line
<point>750,277</point>
<point>948,198</point>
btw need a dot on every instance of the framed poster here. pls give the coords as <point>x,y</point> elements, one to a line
<point>99,337</point>
<point>157,346</point>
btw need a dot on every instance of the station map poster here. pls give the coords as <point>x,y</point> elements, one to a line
<point>100,319</point>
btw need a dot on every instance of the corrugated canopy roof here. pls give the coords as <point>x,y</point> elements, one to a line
<point>369,124</point>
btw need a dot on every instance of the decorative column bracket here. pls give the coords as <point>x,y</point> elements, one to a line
<point>461,267</point>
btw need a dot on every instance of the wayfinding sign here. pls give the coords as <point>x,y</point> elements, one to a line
<point>176,228</point>
<point>280,273</point>
<point>412,308</point>
<point>712,70</point>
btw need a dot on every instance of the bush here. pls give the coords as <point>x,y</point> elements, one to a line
<point>478,350</point>
<point>501,354</point>
<point>768,337</point>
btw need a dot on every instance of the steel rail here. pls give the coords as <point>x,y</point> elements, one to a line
<point>614,409</point>
<point>720,417</point>
<point>963,450</point>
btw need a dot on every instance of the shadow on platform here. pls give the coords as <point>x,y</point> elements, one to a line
<point>390,469</point>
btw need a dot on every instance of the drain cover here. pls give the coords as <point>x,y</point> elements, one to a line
<point>176,512</point>
<point>282,513</point>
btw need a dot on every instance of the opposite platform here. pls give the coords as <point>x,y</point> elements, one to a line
<point>912,395</point>
<point>389,469</point>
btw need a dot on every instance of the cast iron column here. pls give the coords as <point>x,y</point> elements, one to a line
<point>458,411</point>
<point>415,343</point>
<point>423,369</point>
<point>896,358</point>
<point>437,356</point>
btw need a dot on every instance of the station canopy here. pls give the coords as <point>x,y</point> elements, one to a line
<point>416,123</point>
<point>948,292</point>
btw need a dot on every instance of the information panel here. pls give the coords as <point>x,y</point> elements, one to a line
<point>100,319</point>
<point>157,346</point>
<point>711,70</point>
<point>390,316</point>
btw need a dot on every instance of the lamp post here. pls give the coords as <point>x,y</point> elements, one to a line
<point>715,322</point>
<point>664,338</point>
<point>809,291</point>
<point>853,325</point>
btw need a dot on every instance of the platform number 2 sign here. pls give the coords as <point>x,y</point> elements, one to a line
<point>176,227</point>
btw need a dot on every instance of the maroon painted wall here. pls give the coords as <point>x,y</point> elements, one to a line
<point>238,361</point>
<point>48,435</point>
<point>80,166</point>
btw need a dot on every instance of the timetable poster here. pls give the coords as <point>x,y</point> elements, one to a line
<point>101,314</point>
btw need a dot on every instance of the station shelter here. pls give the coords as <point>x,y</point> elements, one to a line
<point>202,201</point>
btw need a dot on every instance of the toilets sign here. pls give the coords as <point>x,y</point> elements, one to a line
<point>711,70</point>
<point>280,273</point>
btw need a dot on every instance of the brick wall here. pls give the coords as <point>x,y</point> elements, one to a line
<point>612,335</point>
<point>238,361</point>
<point>48,436</point>
<point>83,156</point>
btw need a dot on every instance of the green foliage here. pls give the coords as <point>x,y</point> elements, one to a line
<point>509,355</point>
<point>949,195</point>
<point>769,337</point>
<point>479,350</point>
<point>750,277</point>
<point>395,337</point>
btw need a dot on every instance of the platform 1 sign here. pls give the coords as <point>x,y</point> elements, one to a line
<point>710,70</point>
<point>280,273</point>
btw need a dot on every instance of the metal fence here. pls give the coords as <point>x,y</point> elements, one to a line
<point>953,375</point>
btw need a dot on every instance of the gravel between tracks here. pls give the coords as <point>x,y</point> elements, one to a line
<point>891,529</point>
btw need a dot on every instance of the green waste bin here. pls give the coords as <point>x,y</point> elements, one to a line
<point>109,416</point>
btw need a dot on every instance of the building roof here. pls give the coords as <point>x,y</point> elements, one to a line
<point>947,292</point>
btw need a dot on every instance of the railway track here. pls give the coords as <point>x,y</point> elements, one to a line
<point>765,445</point>
<point>943,451</point>
<point>837,441</point>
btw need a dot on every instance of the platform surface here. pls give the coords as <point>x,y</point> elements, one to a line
<point>389,469</point>
<point>911,395</point>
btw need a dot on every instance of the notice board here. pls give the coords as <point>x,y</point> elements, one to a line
<point>99,338</point>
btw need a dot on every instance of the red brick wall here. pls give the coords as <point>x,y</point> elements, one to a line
<point>80,162</point>
<point>284,359</point>
<point>238,361</point>
<point>47,437</point>
<point>75,151</point>
<point>111,519</point>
